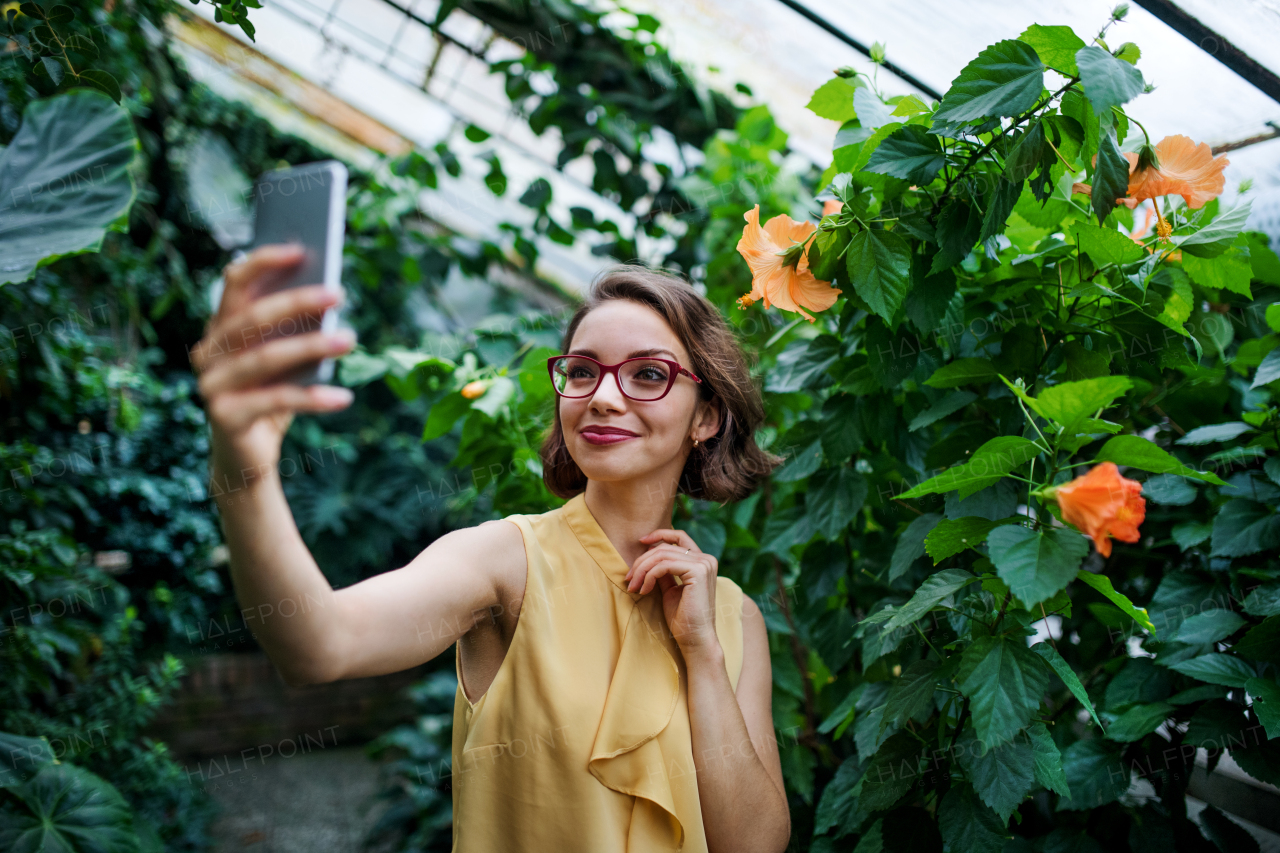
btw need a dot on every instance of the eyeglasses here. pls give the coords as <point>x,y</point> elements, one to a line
<point>642,379</point>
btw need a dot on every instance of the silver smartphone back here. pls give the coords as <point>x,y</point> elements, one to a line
<point>306,204</point>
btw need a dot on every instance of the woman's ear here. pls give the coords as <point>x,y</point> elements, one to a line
<point>710,415</point>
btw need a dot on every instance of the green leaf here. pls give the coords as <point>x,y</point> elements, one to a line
<point>879,267</point>
<point>1003,680</point>
<point>1266,703</point>
<point>990,462</point>
<point>1217,668</point>
<point>102,81</point>
<point>1048,760</point>
<point>67,809</point>
<point>825,261</point>
<point>835,496</point>
<point>952,536</point>
<point>962,371</point>
<point>1071,402</point>
<point>967,824</point>
<point>1210,627</point>
<point>1000,203</point>
<point>1263,601</point>
<point>1107,245</point>
<point>1068,676</point>
<point>1216,433</point>
<point>910,153</point>
<point>1056,46</point>
<point>910,544</point>
<point>1137,452</point>
<point>1262,642</point>
<point>1110,176</point>
<point>82,143</point>
<point>1102,584</point>
<point>22,757</point>
<point>1108,81</point>
<point>1036,563</point>
<point>1226,834</point>
<point>1138,722</point>
<point>1229,271</point>
<point>948,405</point>
<point>1096,773</point>
<point>1003,775</point>
<point>1218,235</point>
<point>1191,533</point>
<point>444,414</point>
<point>931,593</point>
<point>1004,80</point>
<point>890,774</point>
<point>1243,527</point>
<point>834,99</point>
<point>1268,370</point>
<point>1027,154</point>
<point>911,692</point>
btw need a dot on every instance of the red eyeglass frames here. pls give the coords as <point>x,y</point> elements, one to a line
<point>642,379</point>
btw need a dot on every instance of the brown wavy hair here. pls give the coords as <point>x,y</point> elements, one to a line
<point>727,467</point>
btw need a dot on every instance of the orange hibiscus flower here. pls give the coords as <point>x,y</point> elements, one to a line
<point>778,255</point>
<point>1102,504</point>
<point>1185,169</point>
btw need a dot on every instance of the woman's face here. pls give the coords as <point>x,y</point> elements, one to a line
<point>662,431</point>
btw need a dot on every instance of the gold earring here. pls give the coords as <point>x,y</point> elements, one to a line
<point>695,442</point>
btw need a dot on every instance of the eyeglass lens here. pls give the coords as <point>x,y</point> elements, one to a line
<point>643,379</point>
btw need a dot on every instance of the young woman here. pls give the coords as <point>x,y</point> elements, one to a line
<point>614,693</point>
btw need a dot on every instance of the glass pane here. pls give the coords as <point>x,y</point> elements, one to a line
<point>575,377</point>
<point>645,379</point>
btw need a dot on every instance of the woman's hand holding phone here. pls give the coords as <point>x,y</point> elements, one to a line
<point>258,336</point>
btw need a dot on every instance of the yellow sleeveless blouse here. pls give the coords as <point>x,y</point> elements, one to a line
<point>582,742</point>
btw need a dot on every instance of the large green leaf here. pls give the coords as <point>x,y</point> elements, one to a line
<point>1096,773</point>
<point>1068,676</point>
<point>1004,80</point>
<point>1107,245</point>
<point>910,544</point>
<point>834,98</point>
<point>879,267</point>
<point>1217,668</point>
<point>1036,563</point>
<point>64,180</point>
<point>990,462</point>
<point>1108,81</point>
<point>1266,703</point>
<point>911,692</point>
<point>1056,46</point>
<point>1048,760</point>
<point>934,589</point>
<point>1137,452</point>
<point>967,824</point>
<point>21,758</point>
<point>1071,402</point>
<point>1244,527</point>
<point>1228,271</point>
<point>835,496</point>
<point>67,809</point>
<point>1004,681</point>
<point>910,153</point>
<point>1003,775</point>
<point>1221,232</point>
<point>953,535</point>
<point>1208,627</point>
<point>1139,721</point>
<point>963,371</point>
<point>1102,584</point>
<point>1261,642</point>
<point>1110,176</point>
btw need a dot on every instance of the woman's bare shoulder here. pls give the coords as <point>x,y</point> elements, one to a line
<point>499,542</point>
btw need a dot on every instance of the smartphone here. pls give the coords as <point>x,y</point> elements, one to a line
<point>306,204</point>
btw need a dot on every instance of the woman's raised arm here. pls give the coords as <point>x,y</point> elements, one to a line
<point>312,633</point>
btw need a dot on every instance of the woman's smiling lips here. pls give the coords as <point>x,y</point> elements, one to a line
<point>606,435</point>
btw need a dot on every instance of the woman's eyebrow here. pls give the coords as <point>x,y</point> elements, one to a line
<point>637,354</point>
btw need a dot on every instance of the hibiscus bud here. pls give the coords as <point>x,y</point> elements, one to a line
<point>473,390</point>
<point>1147,157</point>
<point>846,71</point>
<point>1102,504</point>
<point>792,255</point>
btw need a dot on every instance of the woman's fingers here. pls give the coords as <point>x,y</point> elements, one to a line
<point>246,279</point>
<point>237,411</point>
<point>261,364</point>
<point>288,312</point>
<point>683,571</point>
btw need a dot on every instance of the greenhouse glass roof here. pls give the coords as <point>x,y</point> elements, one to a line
<point>381,58</point>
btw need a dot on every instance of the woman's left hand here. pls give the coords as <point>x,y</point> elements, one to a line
<point>690,604</point>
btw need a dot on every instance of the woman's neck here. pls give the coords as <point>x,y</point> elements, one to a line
<point>626,512</point>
